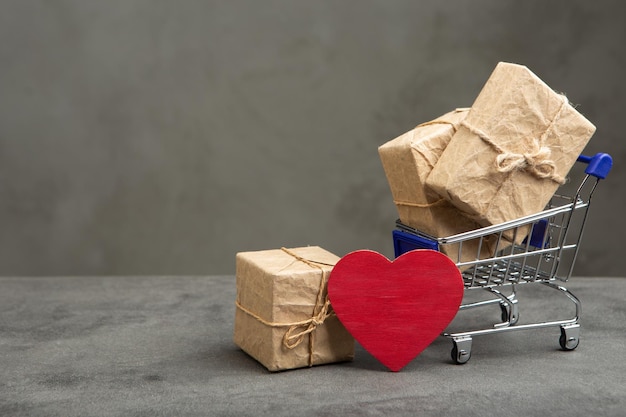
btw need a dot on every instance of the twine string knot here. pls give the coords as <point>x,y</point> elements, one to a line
<point>537,161</point>
<point>296,332</point>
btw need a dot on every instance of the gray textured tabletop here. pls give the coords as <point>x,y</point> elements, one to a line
<point>152,346</point>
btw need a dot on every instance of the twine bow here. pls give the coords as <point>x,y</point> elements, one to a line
<point>292,339</point>
<point>537,161</point>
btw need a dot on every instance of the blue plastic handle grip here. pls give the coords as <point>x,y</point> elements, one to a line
<point>599,165</point>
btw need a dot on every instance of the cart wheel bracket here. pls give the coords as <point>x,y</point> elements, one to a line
<point>569,339</point>
<point>462,349</point>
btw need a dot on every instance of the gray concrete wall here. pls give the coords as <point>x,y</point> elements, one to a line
<point>162,137</point>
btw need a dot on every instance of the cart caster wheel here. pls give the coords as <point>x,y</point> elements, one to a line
<point>461,350</point>
<point>569,339</point>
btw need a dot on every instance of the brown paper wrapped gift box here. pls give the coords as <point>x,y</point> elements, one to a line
<point>283,317</point>
<point>512,151</point>
<point>407,161</point>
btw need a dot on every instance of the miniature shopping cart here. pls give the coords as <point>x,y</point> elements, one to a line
<point>546,255</point>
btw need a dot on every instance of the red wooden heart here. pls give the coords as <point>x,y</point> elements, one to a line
<point>395,309</point>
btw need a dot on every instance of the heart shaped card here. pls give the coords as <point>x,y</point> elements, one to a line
<point>395,309</point>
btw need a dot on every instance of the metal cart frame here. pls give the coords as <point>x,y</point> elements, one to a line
<point>539,248</point>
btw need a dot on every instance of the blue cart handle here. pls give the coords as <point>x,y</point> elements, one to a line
<point>599,165</point>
